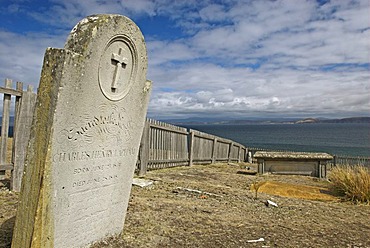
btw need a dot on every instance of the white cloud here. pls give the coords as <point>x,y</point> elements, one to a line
<point>240,58</point>
<point>288,35</point>
<point>250,93</point>
<point>212,13</point>
<point>139,6</point>
<point>160,52</point>
<point>21,55</point>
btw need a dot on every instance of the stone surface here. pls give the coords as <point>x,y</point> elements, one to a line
<point>89,117</point>
<point>293,163</point>
<point>142,182</point>
<point>293,155</point>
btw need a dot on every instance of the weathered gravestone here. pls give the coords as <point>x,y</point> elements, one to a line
<point>89,117</point>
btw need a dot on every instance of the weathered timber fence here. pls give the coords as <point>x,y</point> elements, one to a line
<point>347,160</point>
<point>207,149</point>
<point>164,145</point>
<point>23,112</point>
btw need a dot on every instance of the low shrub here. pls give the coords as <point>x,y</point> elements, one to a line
<point>352,182</point>
<point>256,186</point>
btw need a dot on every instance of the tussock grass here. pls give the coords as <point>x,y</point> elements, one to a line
<point>352,182</point>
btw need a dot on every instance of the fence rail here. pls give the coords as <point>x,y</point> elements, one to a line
<point>164,145</point>
<point>167,146</point>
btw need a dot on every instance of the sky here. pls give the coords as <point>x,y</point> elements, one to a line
<point>227,59</point>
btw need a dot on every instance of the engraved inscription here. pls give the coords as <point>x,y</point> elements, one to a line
<point>95,168</point>
<point>112,122</point>
<point>91,155</point>
<point>96,180</point>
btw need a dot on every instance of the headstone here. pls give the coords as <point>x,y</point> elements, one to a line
<point>250,157</point>
<point>84,142</point>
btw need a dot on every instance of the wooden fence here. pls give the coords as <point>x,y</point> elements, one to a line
<point>353,161</point>
<point>24,103</point>
<point>164,145</point>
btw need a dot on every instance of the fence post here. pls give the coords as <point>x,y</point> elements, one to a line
<point>22,131</point>
<point>245,159</point>
<point>239,152</point>
<point>191,146</point>
<point>230,150</point>
<point>5,126</point>
<point>214,155</point>
<point>19,87</point>
<point>144,149</point>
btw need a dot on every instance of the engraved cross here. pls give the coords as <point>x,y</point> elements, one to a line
<point>120,62</point>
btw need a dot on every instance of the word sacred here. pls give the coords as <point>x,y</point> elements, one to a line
<point>112,123</point>
<point>91,155</point>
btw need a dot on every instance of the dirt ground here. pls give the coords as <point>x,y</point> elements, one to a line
<point>215,206</point>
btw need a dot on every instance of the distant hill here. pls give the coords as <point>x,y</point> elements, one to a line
<point>348,120</point>
<point>307,120</point>
<point>204,121</point>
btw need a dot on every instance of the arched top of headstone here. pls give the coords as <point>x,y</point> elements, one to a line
<point>117,44</point>
<point>99,28</point>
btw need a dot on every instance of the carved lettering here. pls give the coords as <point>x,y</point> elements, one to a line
<point>98,168</point>
<point>110,178</point>
<point>81,170</point>
<point>92,155</point>
<point>113,123</point>
<point>109,122</point>
<point>79,183</point>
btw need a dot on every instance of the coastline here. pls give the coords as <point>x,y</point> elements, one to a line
<point>342,139</point>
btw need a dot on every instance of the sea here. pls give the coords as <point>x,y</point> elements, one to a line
<point>342,139</point>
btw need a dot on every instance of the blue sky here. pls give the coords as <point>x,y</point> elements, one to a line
<point>227,59</point>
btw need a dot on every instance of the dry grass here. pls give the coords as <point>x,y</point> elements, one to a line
<point>299,191</point>
<point>161,215</point>
<point>352,182</point>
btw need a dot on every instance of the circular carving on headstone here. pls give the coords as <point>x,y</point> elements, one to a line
<point>116,68</point>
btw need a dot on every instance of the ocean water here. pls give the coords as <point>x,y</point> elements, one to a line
<point>348,139</point>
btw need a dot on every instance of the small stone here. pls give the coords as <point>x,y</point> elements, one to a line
<point>269,203</point>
